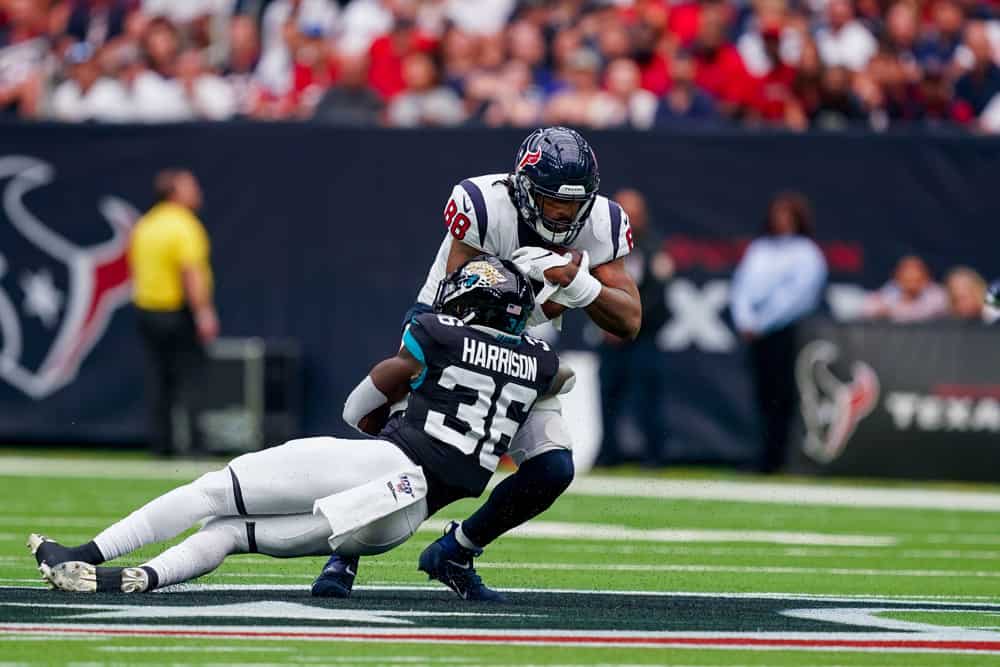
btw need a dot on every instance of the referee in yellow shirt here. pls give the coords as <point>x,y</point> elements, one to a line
<point>172,283</point>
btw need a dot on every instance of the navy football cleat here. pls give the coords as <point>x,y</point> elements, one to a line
<point>450,563</point>
<point>337,578</point>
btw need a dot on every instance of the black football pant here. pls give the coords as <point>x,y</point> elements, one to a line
<point>633,379</point>
<point>175,362</point>
<point>772,359</point>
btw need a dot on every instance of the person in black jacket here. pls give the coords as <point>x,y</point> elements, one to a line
<point>632,374</point>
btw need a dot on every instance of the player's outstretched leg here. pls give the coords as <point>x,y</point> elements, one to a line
<point>160,519</point>
<point>279,536</point>
<point>522,496</point>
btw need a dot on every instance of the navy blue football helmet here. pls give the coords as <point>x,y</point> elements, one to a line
<point>489,292</point>
<point>555,163</point>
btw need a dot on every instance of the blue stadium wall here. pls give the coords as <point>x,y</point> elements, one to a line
<point>324,235</point>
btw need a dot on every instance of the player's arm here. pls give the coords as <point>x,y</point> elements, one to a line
<point>459,254</point>
<point>618,308</point>
<point>607,292</point>
<point>564,380</point>
<point>367,408</point>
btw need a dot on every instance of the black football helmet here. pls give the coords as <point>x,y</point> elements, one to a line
<point>487,291</point>
<point>555,163</point>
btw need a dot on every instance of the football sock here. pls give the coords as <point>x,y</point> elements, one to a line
<point>88,553</point>
<point>464,541</point>
<point>169,515</point>
<point>522,496</point>
<point>197,555</point>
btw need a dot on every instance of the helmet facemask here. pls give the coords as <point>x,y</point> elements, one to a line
<point>529,199</point>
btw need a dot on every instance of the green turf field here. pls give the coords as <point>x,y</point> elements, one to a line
<point>678,570</point>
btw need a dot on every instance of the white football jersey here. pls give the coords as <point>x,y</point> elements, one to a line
<point>479,213</point>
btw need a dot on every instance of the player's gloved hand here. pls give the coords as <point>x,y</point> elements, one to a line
<point>584,289</point>
<point>533,261</point>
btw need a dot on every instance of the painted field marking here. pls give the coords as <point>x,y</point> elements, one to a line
<point>958,641</point>
<point>599,531</point>
<point>194,649</point>
<point>972,602</point>
<point>773,551</point>
<point>790,493</point>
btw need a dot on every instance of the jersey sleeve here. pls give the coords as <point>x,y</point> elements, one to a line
<point>466,217</point>
<point>420,341</point>
<point>621,232</point>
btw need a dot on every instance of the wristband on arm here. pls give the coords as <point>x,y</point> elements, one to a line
<point>365,398</point>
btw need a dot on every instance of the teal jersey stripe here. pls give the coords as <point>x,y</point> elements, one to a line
<point>411,344</point>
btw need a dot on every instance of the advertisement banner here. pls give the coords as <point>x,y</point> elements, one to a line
<point>920,402</point>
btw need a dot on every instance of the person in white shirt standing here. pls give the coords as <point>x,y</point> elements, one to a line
<point>778,282</point>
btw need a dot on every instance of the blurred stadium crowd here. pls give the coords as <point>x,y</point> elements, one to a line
<point>794,64</point>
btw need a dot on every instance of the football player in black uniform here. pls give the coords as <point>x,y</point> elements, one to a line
<point>473,378</point>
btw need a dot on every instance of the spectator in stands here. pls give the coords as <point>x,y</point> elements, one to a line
<point>901,27</point>
<point>778,282</point>
<point>156,95</point>
<point>86,95</point>
<point>632,373</point>
<point>844,41</point>
<point>350,101</point>
<point>934,100</point>
<point>23,56</point>
<point>911,296</point>
<point>172,282</point>
<point>939,42</point>
<point>583,102</point>
<point>966,294</point>
<point>685,104</point>
<point>424,101</point>
<point>314,69</point>
<point>240,70</point>
<point>976,88</point>
<point>638,106</point>
<point>719,69</point>
<point>514,99</point>
<point>387,54</point>
<point>526,44</point>
<point>774,96</point>
<point>839,108</point>
<point>95,22</point>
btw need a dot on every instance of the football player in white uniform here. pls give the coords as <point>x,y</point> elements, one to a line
<point>352,497</point>
<point>548,218</point>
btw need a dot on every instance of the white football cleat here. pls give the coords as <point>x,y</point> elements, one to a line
<point>78,577</point>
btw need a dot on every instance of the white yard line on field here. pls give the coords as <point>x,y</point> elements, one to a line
<point>610,532</point>
<point>690,568</point>
<point>774,551</point>
<point>819,493</point>
<point>791,494</point>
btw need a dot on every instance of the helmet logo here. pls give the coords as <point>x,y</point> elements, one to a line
<point>483,274</point>
<point>530,157</point>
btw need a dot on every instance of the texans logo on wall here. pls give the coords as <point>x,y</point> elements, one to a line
<point>832,406</point>
<point>56,297</point>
